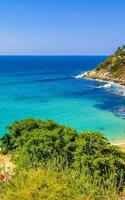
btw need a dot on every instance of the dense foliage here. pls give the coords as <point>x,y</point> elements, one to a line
<point>55,162</point>
<point>111,69</point>
<point>115,64</point>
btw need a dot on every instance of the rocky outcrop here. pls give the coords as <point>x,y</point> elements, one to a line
<point>112,69</point>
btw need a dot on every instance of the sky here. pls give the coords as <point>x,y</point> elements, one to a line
<point>61,27</point>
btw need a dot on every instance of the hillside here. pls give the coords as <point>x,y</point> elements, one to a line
<point>112,69</point>
<point>54,162</point>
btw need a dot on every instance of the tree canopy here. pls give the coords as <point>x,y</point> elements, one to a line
<point>80,158</point>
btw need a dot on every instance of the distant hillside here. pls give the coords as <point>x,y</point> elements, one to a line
<point>112,69</point>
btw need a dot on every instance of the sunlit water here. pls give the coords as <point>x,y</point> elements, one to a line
<point>46,87</point>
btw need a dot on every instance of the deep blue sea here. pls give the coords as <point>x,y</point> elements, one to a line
<point>46,87</point>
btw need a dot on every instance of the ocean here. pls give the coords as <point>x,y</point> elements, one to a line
<point>47,87</point>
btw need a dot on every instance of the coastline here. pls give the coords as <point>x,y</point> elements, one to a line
<point>119,144</point>
<point>84,75</point>
<point>103,75</point>
<point>108,83</point>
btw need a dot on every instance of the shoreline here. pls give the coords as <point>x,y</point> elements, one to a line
<point>112,83</point>
<point>119,144</point>
<point>92,74</point>
<point>100,80</point>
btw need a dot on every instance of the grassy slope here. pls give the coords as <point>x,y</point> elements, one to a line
<point>54,162</point>
<point>112,69</point>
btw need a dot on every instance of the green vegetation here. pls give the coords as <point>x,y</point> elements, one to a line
<point>116,62</point>
<point>54,162</point>
<point>112,69</point>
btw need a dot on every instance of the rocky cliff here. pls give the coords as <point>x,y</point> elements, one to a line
<point>112,69</point>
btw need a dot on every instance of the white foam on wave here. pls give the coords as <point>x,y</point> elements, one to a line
<point>119,89</point>
<point>115,87</point>
<point>107,85</point>
<point>123,94</point>
<point>79,76</point>
<point>120,111</point>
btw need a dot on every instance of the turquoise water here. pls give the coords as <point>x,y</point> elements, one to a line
<point>46,88</point>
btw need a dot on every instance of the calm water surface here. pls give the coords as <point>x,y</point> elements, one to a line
<point>45,87</point>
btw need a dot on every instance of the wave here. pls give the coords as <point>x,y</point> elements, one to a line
<point>78,76</point>
<point>81,75</point>
<point>115,87</point>
<point>107,85</point>
<point>120,111</point>
<point>119,90</point>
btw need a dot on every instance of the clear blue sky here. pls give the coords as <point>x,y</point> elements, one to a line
<point>61,26</point>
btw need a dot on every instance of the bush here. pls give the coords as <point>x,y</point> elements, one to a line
<point>66,185</point>
<point>80,164</point>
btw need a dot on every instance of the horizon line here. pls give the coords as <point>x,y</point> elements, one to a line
<point>53,55</point>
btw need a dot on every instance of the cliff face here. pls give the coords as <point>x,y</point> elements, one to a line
<point>112,69</point>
